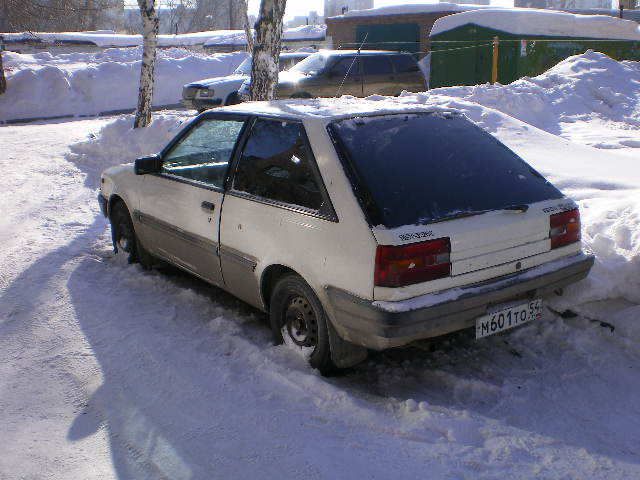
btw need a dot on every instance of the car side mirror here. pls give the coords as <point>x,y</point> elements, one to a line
<point>149,164</point>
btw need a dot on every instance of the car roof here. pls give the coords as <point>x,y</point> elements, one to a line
<point>328,109</point>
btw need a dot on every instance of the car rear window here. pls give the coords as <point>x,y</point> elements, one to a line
<point>421,168</point>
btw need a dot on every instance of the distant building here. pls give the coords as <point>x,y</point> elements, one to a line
<point>391,27</point>
<point>338,7</point>
<point>311,19</point>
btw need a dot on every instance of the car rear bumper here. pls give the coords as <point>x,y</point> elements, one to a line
<point>380,325</point>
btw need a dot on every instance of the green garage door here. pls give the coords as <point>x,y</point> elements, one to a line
<point>397,36</point>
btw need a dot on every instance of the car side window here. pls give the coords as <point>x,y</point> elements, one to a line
<point>276,164</point>
<point>341,67</point>
<point>404,64</point>
<point>376,65</point>
<point>203,154</point>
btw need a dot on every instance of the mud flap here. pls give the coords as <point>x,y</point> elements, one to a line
<point>114,239</point>
<point>344,354</point>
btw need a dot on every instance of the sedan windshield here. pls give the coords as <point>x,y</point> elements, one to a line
<point>428,167</point>
<point>310,65</point>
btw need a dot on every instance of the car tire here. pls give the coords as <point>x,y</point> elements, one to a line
<point>125,238</point>
<point>299,321</point>
<point>233,99</point>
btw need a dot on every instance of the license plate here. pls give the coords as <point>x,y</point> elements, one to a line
<point>506,318</point>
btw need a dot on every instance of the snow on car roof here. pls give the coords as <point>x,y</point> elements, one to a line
<point>330,108</point>
<point>527,21</point>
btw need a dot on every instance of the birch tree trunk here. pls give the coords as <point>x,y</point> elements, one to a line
<point>266,50</point>
<point>150,26</point>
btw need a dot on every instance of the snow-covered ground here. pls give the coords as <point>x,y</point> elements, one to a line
<point>45,85</point>
<point>107,371</point>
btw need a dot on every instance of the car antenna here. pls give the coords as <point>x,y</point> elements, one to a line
<point>351,66</point>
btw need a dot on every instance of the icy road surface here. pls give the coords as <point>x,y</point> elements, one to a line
<point>107,371</point>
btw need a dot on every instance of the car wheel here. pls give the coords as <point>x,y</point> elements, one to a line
<point>125,238</point>
<point>233,99</point>
<point>299,321</point>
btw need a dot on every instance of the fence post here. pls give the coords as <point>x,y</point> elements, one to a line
<point>494,63</point>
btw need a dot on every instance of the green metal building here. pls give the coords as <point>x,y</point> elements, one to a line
<point>529,43</point>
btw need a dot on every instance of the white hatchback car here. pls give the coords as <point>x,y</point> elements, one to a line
<point>355,228</point>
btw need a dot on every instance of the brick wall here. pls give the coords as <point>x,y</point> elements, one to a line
<point>343,30</point>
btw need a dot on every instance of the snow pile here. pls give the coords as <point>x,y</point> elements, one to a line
<point>118,142</point>
<point>526,21</point>
<point>570,99</point>
<point>106,38</point>
<point>605,184</point>
<point>45,85</point>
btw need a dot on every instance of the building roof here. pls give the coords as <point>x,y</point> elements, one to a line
<point>529,21</point>
<point>409,9</point>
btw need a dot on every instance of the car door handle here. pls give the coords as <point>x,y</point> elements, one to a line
<point>208,206</point>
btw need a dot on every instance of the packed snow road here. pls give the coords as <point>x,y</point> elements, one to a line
<point>107,371</point>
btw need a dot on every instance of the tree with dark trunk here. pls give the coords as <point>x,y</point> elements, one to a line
<point>266,50</point>
<point>150,25</point>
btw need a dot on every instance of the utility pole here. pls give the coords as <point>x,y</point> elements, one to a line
<point>494,63</point>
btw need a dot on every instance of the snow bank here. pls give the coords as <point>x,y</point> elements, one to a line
<point>590,98</point>
<point>45,85</point>
<point>605,183</point>
<point>526,21</point>
<point>118,142</point>
<point>108,39</point>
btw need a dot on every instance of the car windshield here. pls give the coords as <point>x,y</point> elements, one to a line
<point>244,68</point>
<point>310,65</point>
<point>427,167</point>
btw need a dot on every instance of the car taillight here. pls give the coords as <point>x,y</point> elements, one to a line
<point>400,265</point>
<point>564,228</point>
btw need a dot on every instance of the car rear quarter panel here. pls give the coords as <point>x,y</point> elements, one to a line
<point>348,251</point>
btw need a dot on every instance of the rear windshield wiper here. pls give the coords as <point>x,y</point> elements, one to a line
<point>520,208</point>
<point>453,216</point>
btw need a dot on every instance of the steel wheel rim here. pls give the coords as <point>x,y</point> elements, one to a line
<point>300,327</point>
